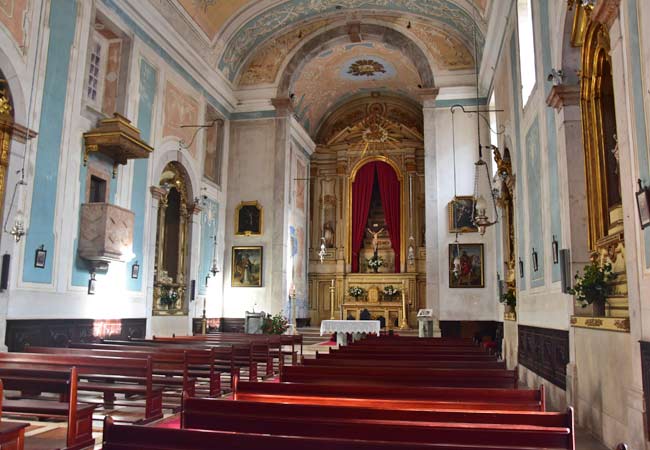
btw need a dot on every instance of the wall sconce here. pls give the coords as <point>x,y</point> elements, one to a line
<point>521,268</point>
<point>91,284</point>
<point>556,252</point>
<point>39,257</point>
<point>135,270</point>
<point>214,270</point>
<point>535,261</point>
<point>643,204</point>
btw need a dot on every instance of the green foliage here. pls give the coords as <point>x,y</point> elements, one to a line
<point>594,285</point>
<point>168,297</point>
<point>509,298</point>
<point>277,324</point>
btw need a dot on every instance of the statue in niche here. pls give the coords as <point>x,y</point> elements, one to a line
<point>329,235</point>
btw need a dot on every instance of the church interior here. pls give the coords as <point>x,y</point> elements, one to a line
<point>324,224</point>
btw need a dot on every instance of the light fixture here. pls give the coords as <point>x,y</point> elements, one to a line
<point>555,248</point>
<point>556,76</point>
<point>456,269</point>
<point>39,257</point>
<point>521,268</point>
<point>481,219</point>
<point>18,228</point>
<point>135,270</point>
<point>214,270</point>
<point>535,260</point>
<point>91,284</point>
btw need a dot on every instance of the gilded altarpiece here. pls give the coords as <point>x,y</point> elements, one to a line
<point>605,210</point>
<point>376,129</point>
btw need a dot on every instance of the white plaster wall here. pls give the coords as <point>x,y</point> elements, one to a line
<point>251,177</point>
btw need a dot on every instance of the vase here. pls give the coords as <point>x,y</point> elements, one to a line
<point>598,308</point>
<point>375,269</point>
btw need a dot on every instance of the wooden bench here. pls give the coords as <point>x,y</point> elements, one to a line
<point>133,437</point>
<point>380,355</point>
<point>397,397</point>
<point>325,361</point>
<point>482,378</point>
<point>102,374</point>
<point>547,431</point>
<point>79,417</point>
<point>12,434</point>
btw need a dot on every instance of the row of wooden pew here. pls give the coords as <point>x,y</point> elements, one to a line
<point>389,393</point>
<point>151,374</point>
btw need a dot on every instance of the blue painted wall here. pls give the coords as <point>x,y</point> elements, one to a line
<point>62,24</point>
<point>209,227</point>
<point>535,219</point>
<point>519,200</point>
<point>148,83</point>
<point>551,139</point>
<point>639,109</point>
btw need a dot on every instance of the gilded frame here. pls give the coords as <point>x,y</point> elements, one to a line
<point>255,226</point>
<point>255,257</point>
<point>476,250</point>
<point>454,225</point>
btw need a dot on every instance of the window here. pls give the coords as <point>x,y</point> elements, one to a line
<point>95,72</point>
<point>97,192</point>
<point>526,49</point>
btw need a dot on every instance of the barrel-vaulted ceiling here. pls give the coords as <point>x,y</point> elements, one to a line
<point>247,39</point>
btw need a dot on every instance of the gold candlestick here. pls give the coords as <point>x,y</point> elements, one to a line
<point>405,322</point>
<point>332,301</point>
<point>292,296</point>
<point>204,320</point>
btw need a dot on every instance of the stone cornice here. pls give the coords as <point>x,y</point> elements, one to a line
<point>563,95</point>
<point>283,106</point>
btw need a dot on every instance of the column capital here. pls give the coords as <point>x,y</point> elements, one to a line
<point>606,12</point>
<point>428,96</point>
<point>563,95</point>
<point>283,106</point>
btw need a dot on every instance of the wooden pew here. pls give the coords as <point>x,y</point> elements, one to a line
<point>397,397</point>
<point>170,370</point>
<point>103,374</point>
<point>79,417</point>
<point>380,355</point>
<point>12,434</point>
<point>325,361</point>
<point>133,437</point>
<point>548,430</point>
<point>482,378</point>
<point>414,341</point>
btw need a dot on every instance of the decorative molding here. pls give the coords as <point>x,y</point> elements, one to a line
<point>563,95</point>
<point>283,106</point>
<point>606,12</point>
<point>59,332</point>
<point>546,352</point>
<point>620,324</point>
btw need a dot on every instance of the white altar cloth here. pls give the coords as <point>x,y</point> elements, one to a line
<point>349,326</point>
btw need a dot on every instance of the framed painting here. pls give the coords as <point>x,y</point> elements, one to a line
<point>247,267</point>
<point>249,219</point>
<point>461,215</point>
<point>466,266</point>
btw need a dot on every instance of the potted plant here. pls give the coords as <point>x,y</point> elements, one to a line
<point>510,300</point>
<point>276,324</point>
<point>168,298</point>
<point>375,263</point>
<point>356,292</point>
<point>390,291</point>
<point>594,286</point>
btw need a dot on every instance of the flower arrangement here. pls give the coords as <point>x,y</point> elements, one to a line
<point>509,298</point>
<point>375,262</point>
<point>168,297</point>
<point>356,291</point>
<point>277,324</point>
<point>390,291</point>
<point>594,285</point>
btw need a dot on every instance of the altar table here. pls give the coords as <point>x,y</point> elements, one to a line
<point>342,327</point>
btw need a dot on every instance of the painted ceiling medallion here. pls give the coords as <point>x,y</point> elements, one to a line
<point>366,67</point>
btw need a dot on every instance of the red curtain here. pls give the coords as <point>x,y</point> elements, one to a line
<point>389,189</point>
<point>361,197</point>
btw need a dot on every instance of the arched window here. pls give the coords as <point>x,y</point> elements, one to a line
<point>526,49</point>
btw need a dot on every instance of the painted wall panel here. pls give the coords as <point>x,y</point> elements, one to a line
<point>535,220</point>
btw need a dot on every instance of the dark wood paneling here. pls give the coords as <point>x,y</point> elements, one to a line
<point>224,324</point>
<point>58,332</point>
<point>645,369</point>
<point>546,352</point>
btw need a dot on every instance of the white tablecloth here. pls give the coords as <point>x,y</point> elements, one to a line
<point>349,326</point>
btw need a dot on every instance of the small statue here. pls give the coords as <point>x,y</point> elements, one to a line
<point>375,239</point>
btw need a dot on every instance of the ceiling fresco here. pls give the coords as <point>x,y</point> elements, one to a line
<point>274,20</point>
<point>347,70</point>
<point>211,15</point>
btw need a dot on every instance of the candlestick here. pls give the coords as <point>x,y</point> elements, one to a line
<point>332,301</point>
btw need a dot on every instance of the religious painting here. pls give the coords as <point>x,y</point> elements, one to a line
<point>301,180</point>
<point>466,266</point>
<point>246,267</point>
<point>249,219</point>
<point>461,215</point>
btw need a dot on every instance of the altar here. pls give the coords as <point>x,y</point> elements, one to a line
<point>355,327</point>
